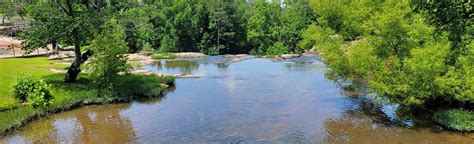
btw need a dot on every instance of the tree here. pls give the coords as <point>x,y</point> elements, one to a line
<point>296,16</point>
<point>454,17</point>
<point>259,26</point>
<point>138,28</point>
<point>399,55</point>
<point>225,32</point>
<point>71,22</point>
<point>110,56</point>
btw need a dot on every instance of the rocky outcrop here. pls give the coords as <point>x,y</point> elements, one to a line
<point>188,55</point>
<point>289,56</point>
<point>238,57</point>
<point>176,75</point>
<point>142,72</point>
<point>62,55</point>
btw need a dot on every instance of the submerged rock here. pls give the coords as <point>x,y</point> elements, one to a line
<point>176,75</point>
<point>164,85</point>
<point>289,56</point>
<point>238,57</point>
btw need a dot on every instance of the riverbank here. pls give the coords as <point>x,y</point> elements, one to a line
<point>66,95</point>
<point>253,101</point>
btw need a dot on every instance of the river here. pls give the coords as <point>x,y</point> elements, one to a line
<point>251,101</point>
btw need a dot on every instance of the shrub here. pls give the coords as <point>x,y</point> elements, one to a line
<point>277,49</point>
<point>109,57</point>
<point>34,92</point>
<point>148,48</point>
<point>22,87</point>
<point>456,119</point>
<point>40,96</point>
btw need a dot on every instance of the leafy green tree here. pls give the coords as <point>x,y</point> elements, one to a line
<point>70,22</point>
<point>226,29</point>
<point>401,57</point>
<point>138,28</point>
<point>10,9</point>
<point>296,16</point>
<point>454,17</point>
<point>260,25</point>
<point>109,57</point>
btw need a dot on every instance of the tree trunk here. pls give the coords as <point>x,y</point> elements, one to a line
<point>74,69</point>
<point>55,47</point>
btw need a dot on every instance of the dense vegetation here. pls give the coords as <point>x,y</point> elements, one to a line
<point>211,27</point>
<point>396,51</point>
<point>417,54</point>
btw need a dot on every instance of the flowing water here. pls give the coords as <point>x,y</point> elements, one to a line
<point>252,101</point>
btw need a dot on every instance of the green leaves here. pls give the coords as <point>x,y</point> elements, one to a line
<point>109,57</point>
<point>35,92</point>
<point>393,48</point>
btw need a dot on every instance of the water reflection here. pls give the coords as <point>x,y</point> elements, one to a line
<point>355,126</point>
<point>90,124</point>
<point>175,66</point>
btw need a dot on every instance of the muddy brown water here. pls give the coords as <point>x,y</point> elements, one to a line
<point>252,101</point>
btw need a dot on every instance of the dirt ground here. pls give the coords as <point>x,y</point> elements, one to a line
<point>5,42</point>
<point>5,52</point>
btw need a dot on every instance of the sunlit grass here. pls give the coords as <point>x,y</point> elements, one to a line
<point>13,67</point>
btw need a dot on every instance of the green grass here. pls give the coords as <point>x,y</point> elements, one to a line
<point>11,68</point>
<point>164,56</point>
<point>66,95</point>
<point>456,119</point>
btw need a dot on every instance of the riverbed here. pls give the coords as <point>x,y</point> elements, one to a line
<point>250,101</point>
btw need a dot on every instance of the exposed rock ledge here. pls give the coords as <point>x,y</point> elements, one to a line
<point>148,72</point>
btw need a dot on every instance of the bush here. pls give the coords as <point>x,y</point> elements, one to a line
<point>148,48</point>
<point>109,57</point>
<point>456,119</point>
<point>34,92</point>
<point>22,87</point>
<point>40,96</point>
<point>277,49</point>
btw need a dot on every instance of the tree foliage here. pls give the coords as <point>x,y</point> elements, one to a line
<point>392,48</point>
<point>109,57</point>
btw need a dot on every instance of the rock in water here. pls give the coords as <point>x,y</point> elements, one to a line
<point>289,56</point>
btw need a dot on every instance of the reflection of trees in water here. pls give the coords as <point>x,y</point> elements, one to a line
<point>184,66</point>
<point>368,124</point>
<point>154,100</point>
<point>92,124</point>
<point>222,67</point>
<point>305,66</point>
<point>355,127</point>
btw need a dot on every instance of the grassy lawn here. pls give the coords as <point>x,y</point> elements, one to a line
<point>11,68</point>
<point>66,95</point>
